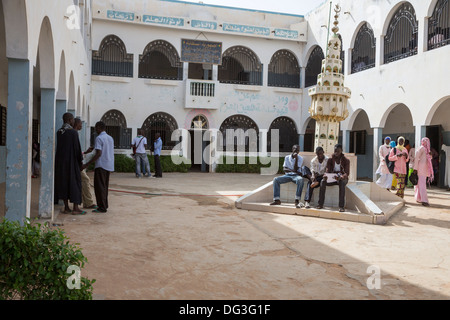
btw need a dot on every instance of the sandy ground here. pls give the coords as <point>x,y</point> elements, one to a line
<point>181,237</point>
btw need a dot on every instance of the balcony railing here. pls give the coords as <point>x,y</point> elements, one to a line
<point>201,94</point>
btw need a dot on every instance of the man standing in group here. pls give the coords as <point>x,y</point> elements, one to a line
<point>140,143</point>
<point>68,162</point>
<point>157,154</point>
<point>104,165</point>
<point>293,173</point>
<point>86,195</point>
<point>339,166</point>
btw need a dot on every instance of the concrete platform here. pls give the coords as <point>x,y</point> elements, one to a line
<point>365,202</point>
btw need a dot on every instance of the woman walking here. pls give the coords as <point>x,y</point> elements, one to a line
<point>385,180</point>
<point>424,169</point>
<point>394,178</point>
<point>400,155</point>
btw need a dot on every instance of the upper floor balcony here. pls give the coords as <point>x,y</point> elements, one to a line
<point>201,94</point>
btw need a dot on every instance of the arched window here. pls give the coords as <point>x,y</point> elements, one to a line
<point>439,25</point>
<point>287,134</point>
<point>284,70</point>
<point>363,54</point>
<point>244,134</point>
<point>401,37</point>
<point>116,127</point>
<point>112,59</point>
<point>240,65</point>
<point>162,123</point>
<point>160,60</point>
<point>313,67</point>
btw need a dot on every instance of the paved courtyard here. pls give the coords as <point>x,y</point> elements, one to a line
<point>181,237</point>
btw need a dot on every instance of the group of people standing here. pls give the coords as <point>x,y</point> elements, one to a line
<point>406,163</point>
<point>139,146</point>
<point>323,172</point>
<point>72,184</point>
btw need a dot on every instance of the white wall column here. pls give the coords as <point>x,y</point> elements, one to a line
<point>377,140</point>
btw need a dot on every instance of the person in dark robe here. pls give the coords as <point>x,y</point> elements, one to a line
<point>68,163</point>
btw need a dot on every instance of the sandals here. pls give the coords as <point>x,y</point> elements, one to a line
<point>98,211</point>
<point>78,213</point>
<point>92,207</point>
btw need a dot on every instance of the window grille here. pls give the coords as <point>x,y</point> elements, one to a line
<point>342,55</point>
<point>250,142</point>
<point>160,60</point>
<point>401,37</point>
<point>112,59</point>
<point>116,127</point>
<point>287,134</point>
<point>284,70</point>
<point>439,25</point>
<point>163,123</point>
<point>240,65</point>
<point>314,66</point>
<point>363,54</point>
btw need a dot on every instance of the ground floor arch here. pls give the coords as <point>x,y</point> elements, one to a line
<point>438,131</point>
<point>288,134</point>
<point>248,140</point>
<point>162,123</point>
<point>309,135</point>
<point>360,142</point>
<point>116,127</point>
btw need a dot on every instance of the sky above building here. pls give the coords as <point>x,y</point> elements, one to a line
<point>297,7</point>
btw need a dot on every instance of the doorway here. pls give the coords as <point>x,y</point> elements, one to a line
<point>197,144</point>
<point>435,134</point>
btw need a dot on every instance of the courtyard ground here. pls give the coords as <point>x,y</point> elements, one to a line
<point>180,237</point>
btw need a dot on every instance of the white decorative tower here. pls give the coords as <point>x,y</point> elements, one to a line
<point>329,97</point>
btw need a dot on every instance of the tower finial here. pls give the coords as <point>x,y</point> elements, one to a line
<point>336,17</point>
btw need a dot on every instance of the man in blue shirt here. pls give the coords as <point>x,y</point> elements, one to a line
<point>104,165</point>
<point>156,155</point>
<point>293,173</point>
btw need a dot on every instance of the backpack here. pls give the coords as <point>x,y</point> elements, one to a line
<point>390,164</point>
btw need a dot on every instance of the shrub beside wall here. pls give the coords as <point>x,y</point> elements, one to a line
<point>34,261</point>
<point>123,163</point>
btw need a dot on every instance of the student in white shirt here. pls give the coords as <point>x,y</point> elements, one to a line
<point>140,142</point>
<point>293,173</point>
<point>104,165</point>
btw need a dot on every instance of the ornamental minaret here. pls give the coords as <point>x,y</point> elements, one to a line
<point>329,97</point>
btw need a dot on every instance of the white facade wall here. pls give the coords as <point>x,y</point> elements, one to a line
<point>416,81</point>
<point>139,98</point>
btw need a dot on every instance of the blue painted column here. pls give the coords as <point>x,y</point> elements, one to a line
<point>48,144</point>
<point>377,141</point>
<point>83,132</point>
<point>421,132</point>
<point>346,141</point>
<point>18,144</point>
<point>61,108</point>
<point>301,142</point>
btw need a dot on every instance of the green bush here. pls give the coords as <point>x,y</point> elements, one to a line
<point>124,163</point>
<point>34,262</point>
<point>247,167</point>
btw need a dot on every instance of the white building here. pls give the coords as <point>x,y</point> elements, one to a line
<point>45,68</point>
<point>395,60</point>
